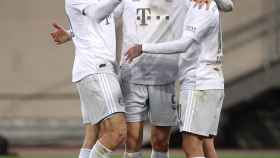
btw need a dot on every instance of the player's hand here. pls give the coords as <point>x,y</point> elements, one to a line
<point>60,35</point>
<point>133,52</point>
<point>201,3</point>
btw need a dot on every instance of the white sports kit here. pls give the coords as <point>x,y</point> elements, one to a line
<point>95,65</point>
<point>200,65</point>
<point>148,83</point>
<point>178,41</point>
<point>202,90</point>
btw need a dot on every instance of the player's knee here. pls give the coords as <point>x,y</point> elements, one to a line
<point>118,134</point>
<point>160,143</point>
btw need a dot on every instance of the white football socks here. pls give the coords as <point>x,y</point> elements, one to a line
<point>133,155</point>
<point>100,151</point>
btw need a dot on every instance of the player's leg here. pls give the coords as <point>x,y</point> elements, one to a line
<point>135,98</point>
<point>134,140</point>
<point>90,138</point>
<point>160,137</point>
<point>90,131</point>
<point>101,96</point>
<point>200,117</point>
<point>209,147</point>
<point>134,136</point>
<point>112,122</point>
<point>163,115</point>
<point>91,135</point>
<point>113,131</point>
<point>192,145</point>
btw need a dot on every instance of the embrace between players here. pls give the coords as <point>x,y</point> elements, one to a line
<point>162,41</point>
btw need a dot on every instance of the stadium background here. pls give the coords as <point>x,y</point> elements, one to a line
<point>40,107</point>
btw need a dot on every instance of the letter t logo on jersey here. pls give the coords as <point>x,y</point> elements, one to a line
<point>145,14</point>
<point>107,20</point>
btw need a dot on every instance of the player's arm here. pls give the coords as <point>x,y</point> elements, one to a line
<point>172,47</point>
<point>194,30</point>
<point>60,35</point>
<point>99,10</point>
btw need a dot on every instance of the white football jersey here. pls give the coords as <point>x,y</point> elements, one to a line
<point>205,72</point>
<point>151,21</point>
<point>95,43</point>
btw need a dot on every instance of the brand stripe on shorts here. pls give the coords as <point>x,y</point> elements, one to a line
<point>192,110</point>
<point>187,114</point>
<point>110,93</point>
<point>105,93</point>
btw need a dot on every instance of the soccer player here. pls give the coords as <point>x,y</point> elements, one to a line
<point>94,73</point>
<point>201,77</point>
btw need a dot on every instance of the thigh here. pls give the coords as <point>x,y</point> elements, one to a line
<point>162,104</point>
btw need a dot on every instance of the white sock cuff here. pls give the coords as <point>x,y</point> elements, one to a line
<point>100,147</point>
<point>133,155</point>
<point>157,154</point>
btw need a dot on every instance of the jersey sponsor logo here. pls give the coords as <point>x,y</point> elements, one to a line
<point>145,14</point>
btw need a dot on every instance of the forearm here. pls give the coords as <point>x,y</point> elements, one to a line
<point>98,12</point>
<point>172,47</point>
<point>225,5</point>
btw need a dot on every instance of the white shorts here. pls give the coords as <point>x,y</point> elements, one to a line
<point>158,102</point>
<point>100,96</point>
<point>199,111</point>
